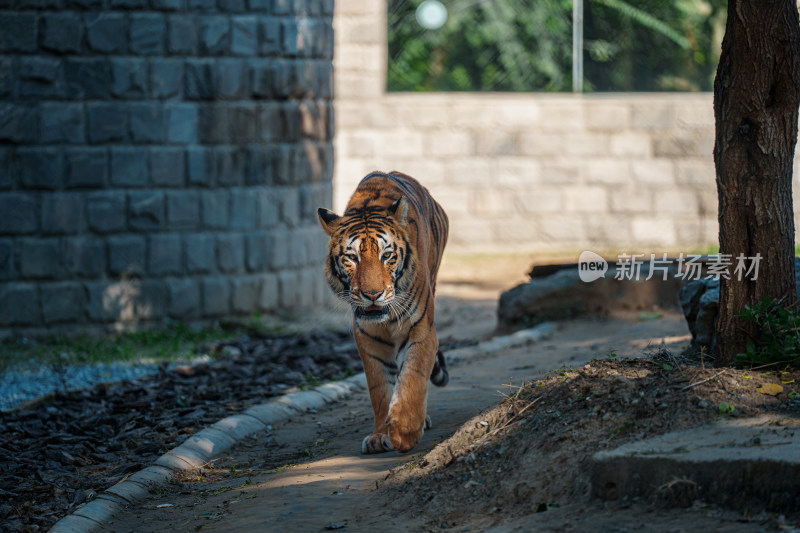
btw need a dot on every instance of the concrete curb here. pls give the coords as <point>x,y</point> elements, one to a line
<point>212,441</point>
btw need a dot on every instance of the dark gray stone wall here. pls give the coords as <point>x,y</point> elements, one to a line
<point>161,159</point>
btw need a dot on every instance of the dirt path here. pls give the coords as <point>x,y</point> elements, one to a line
<point>308,475</point>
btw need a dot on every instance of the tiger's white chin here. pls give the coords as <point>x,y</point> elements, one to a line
<point>372,313</point>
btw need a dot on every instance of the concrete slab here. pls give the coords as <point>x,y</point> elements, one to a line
<point>751,464</point>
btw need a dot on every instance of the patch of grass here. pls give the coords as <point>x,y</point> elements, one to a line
<point>778,334</point>
<point>177,341</point>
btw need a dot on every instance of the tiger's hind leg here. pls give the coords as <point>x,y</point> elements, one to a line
<point>439,376</point>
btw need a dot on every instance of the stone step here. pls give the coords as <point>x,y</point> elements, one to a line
<point>751,464</point>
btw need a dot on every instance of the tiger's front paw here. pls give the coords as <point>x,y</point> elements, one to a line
<point>403,437</point>
<point>376,443</point>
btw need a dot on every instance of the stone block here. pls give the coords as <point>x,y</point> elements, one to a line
<point>214,35</point>
<point>146,210</point>
<point>181,34</point>
<point>290,206</point>
<point>585,199</point>
<point>216,297</point>
<point>128,167</point>
<point>88,79</point>
<point>270,123</point>
<point>105,33</point>
<point>200,166</point>
<point>19,31</point>
<point>129,78</point>
<point>126,254</point>
<point>654,172</point>
<point>147,32</point>
<point>230,166</point>
<point>62,302</point>
<point>7,76</point>
<point>183,210</point>
<point>649,115</point>
<point>39,258</point>
<point>199,81</point>
<point>202,5</point>
<point>677,202</point>
<point>608,171</point>
<point>631,144</point>
<point>244,35</point>
<point>166,5</point>
<point>105,212</point>
<point>245,294</point>
<point>268,295</point>
<point>259,165</point>
<point>60,32</point>
<point>40,78</point>
<point>654,230</point>
<point>147,123</point>
<point>604,115</point>
<point>87,167</point>
<point>184,297</point>
<point>257,248</point>
<point>259,5</point>
<point>165,255</point>
<point>230,253</point>
<point>108,122</point>
<point>40,168</point>
<point>18,123</point>
<point>232,79</point>
<point>181,122</point>
<point>62,213</point>
<point>62,123</point>
<point>7,268</point>
<point>200,253</point>
<point>167,167</point>
<point>8,168</point>
<point>19,214</point>
<point>262,76</point>
<point>269,208</point>
<point>288,282</point>
<point>243,209</point>
<point>277,249</point>
<point>19,304</point>
<point>235,6</point>
<point>128,4</point>
<point>632,199</point>
<point>166,78</point>
<point>85,4</point>
<point>84,257</point>
<point>215,206</point>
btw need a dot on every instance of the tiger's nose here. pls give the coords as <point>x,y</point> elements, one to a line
<point>372,295</point>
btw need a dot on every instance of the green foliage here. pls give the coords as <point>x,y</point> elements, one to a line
<point>526,45</point>
<point>176,341</point>
<point>778,334</point>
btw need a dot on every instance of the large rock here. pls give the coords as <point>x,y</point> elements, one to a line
<point>562,295</point>
<point>699,300</point>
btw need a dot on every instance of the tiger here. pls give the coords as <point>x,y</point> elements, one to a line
<point>384,254</point>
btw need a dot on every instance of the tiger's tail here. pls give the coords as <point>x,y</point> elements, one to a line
<point>439,375</point>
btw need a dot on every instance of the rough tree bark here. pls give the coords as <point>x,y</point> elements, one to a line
<point>756,98</point>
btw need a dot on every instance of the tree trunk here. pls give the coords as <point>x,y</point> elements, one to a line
<point>756,98</point>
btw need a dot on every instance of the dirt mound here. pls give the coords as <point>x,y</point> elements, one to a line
<point>529,454</point>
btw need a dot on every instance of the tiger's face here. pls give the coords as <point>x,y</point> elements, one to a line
<point>369,261</point>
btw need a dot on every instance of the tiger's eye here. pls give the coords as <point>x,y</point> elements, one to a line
<point>386,256</point>
<point>352,257</point>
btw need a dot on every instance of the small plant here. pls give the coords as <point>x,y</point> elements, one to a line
<point>778,334</point>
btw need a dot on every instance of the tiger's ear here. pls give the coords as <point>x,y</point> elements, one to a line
<point>328,220</point>
<point>399,210</point>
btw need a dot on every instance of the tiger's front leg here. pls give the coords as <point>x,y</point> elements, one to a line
<point>408,410</point>
<point>381,373</point>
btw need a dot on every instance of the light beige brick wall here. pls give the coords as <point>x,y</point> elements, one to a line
<point>528,172</point>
